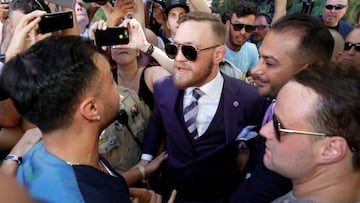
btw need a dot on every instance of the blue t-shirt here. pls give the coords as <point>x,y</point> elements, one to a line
<point>245,59</point>
<point>50,179</point>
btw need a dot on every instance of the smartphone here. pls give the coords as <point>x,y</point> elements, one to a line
<point>56,21</point>
<point>112,36</point>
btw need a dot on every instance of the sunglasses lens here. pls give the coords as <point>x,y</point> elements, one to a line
<point>337,7</point>
<point>189,52</point>
<point>238,27</point>
<point>276,128</point>
<point>249,28</point>
<point>349,45</point>
<point>357,47</point>
<point>171,50</point>
<point>260,27</point>
<point>329,7</point>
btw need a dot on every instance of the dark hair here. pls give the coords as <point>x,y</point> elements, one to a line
<point>46,81</point>
<point>243,8</point>
<point>337,112</point>
<point>217,26</point>
<point>316,42</point>
<point>28,6</point>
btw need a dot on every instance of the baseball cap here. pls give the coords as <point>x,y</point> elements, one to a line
<point>175,3</point>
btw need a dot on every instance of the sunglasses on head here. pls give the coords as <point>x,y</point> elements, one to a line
<point>190,52</point>
<point>349,45</point>
<point>278,129</point>
<point>240,26</point>
<point>337,6</point>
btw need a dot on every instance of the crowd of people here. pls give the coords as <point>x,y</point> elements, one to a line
<point>198,107</point>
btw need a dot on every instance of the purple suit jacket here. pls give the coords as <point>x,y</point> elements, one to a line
<point>242,107</point>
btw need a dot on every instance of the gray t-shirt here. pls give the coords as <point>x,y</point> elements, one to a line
<point>289,198</point>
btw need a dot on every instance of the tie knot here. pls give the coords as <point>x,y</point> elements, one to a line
<point>197,93</point>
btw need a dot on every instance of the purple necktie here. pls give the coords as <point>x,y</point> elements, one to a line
<point>190,113</point>
<point>269,113</point>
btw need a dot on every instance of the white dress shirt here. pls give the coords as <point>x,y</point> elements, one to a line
<point>208,103</point>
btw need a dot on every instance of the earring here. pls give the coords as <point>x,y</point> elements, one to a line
<point>97,117</point>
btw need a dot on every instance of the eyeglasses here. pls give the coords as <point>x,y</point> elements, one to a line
<point>239,27</point>
<point>337,6</point>
<point>278,129</point>
<point>260,27</point>
<point>190,52</point>
<point>349,45</point>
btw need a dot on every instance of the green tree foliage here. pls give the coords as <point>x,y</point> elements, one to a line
<point>296,6</point>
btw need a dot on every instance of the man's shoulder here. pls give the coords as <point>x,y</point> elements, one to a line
<point>43,173</point>
<point>234,82</point>
<point>345,25</point>
<point>165,83</point>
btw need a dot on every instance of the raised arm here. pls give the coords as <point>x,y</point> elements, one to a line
<point>198,5</point>
<point>139,41</point>
<point>121,8</point>
<point>279,10</point>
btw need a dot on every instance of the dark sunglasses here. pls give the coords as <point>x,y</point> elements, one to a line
<point>337,6</point>
<point>278,129</point>
<point>190,52</point>
<point>349,45</point>
<point>239,27</point>
<point>260,27</point>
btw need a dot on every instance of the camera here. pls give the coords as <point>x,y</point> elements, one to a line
<point>112,36</point>
<point>56,21</point>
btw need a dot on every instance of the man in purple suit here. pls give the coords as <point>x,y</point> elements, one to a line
<point>200,142</point>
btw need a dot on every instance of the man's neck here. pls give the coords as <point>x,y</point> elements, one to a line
<point>232,46</point>
<point>325,187</point>
<point>74,146</point>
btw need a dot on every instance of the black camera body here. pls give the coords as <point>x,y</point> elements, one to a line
<point>56,21</point>
<point>112,36</point>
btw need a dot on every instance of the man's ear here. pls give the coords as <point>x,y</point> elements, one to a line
<point>338,57</point>
<point>219,54</point>
<point>10,26</point>
<point>89,109</point>
<point>333,150</point>
<point>227,24</point>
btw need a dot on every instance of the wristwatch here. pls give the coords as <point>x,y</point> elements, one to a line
<point>150,50</point>
<point>17,159</point>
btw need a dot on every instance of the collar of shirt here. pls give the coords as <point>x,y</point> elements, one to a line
<point>215,84</point>
<point>208,103</point>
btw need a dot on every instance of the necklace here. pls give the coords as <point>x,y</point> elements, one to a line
<point>71,163</point>
<point>101,166</point>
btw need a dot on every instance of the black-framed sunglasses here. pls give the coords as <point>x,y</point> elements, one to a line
<point>278,129</point>
<point>240,26</point>
<point>190,52</point>
<point>260,27</point>
<point>337,6</point>
<point>349,45</point>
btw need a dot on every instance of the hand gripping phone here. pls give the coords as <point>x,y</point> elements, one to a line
<point>56,21</point>
<point>112,36</point>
